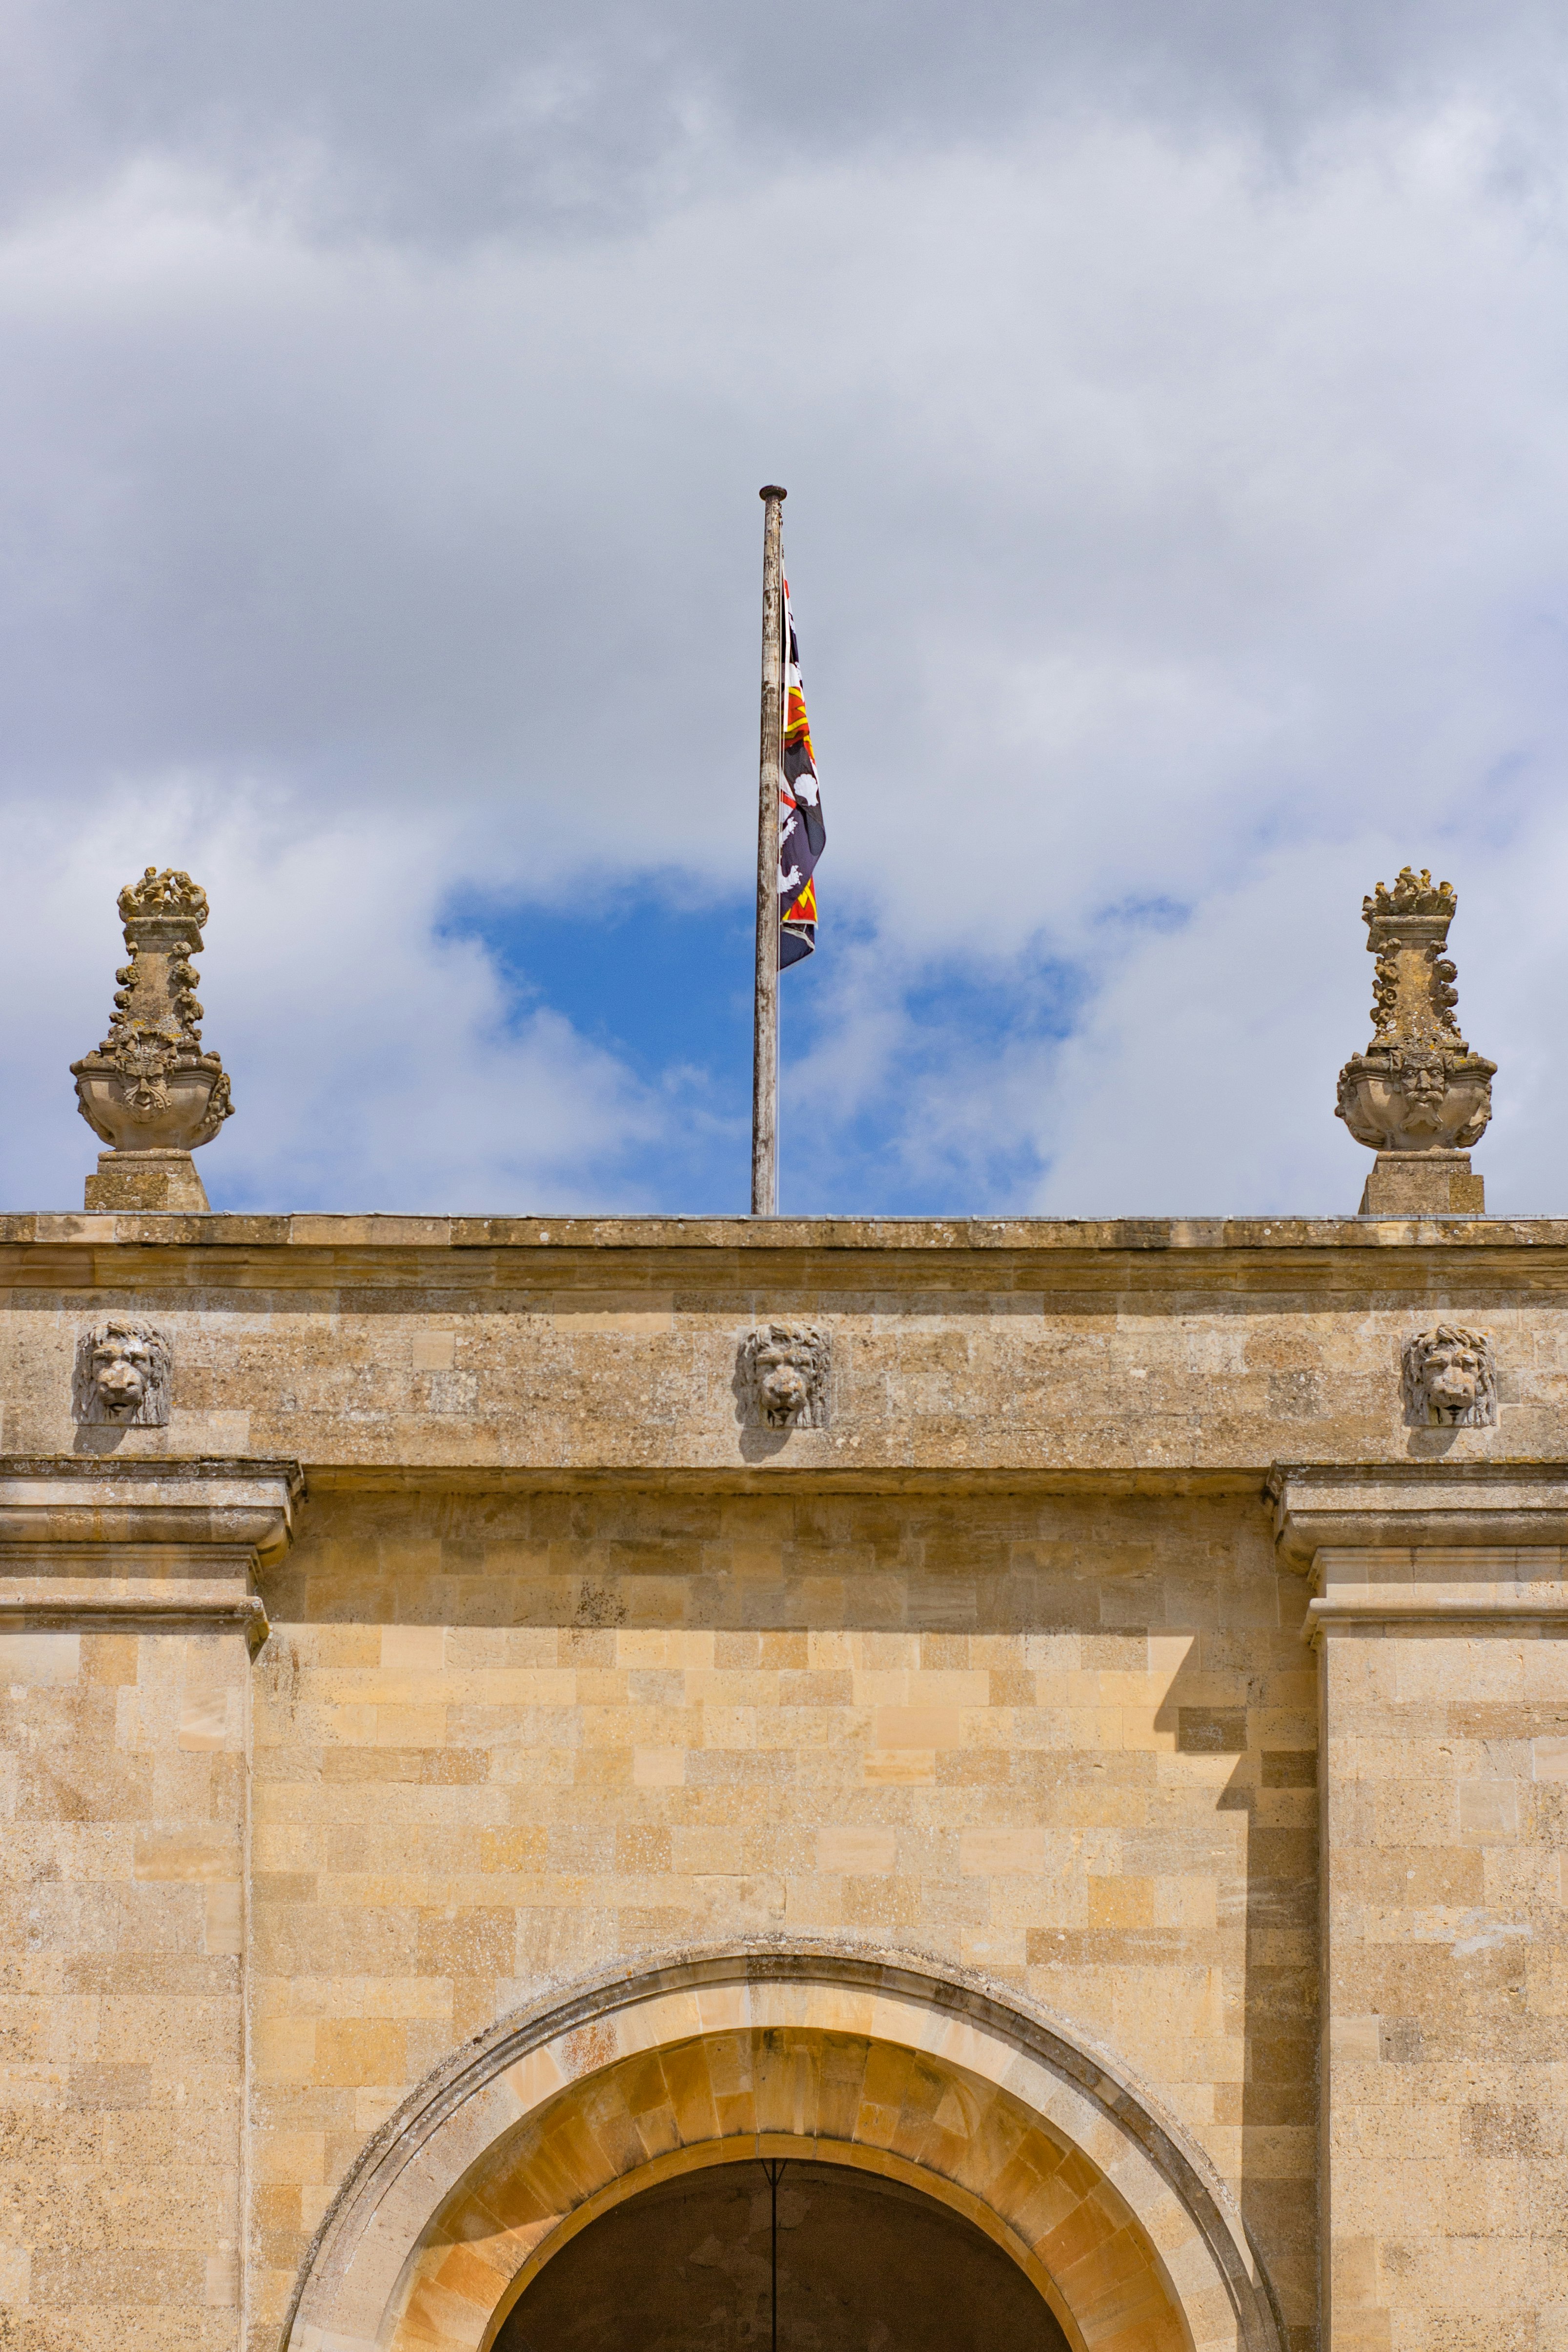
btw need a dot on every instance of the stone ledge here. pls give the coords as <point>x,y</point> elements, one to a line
<point>1417,1505</point>
<point>324,1231</point>
<point>130,1614</point>
<point>688,1480</point>
<point>677,1265</point>
<point>197,1516</point>
<point>1380,1613</point>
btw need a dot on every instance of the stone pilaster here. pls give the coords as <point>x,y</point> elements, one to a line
<point>1440,1618</point>
<point>127,1624</point>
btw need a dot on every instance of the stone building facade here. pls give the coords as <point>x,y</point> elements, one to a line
<point>1056,1733</point>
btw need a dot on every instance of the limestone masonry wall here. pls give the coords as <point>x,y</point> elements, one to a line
<point>121,2127</point>
<point>553,1661</point>
<point>406,1342</point>
<point>498,1748</point>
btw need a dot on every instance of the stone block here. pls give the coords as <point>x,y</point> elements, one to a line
<point>157,1182</point>
<point>1423,1184</point>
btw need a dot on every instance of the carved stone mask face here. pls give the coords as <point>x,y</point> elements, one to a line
<point>780,1385</point>
<point>1452,1378</point>
<point>122,1370</point>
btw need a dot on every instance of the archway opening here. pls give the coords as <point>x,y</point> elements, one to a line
<point>865,2264</point>
<point>477,2187</point>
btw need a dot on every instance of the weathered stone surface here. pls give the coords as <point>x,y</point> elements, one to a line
<point>783,1373</point>
<point>576,1667</point>
<point>123,1895</point>
<point>1421,1184</point>
<point>157,1181</point>
<point>1450,1379</point>
<point>979,1350</point>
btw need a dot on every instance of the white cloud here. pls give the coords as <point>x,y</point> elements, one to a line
<point>375,1063</point>
<point>1174,519</point>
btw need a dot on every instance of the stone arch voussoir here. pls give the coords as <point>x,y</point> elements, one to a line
<point>558,2114</point>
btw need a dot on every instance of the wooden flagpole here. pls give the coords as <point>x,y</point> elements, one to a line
<point>766,1034</point>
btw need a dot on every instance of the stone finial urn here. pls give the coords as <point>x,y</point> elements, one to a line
<point>149,1091</point>
<point>1417,1097</point>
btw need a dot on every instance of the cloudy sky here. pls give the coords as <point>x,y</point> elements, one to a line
<point>1173,396</point>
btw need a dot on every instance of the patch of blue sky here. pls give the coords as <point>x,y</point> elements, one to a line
<point>664,985</point>
<point>932,1136</point>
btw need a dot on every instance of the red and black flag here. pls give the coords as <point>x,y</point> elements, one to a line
<point>800,831</point>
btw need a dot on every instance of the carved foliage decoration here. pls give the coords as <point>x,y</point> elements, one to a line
<point>123,1374</point>
<point>784,1366</point>
<point>1450,1379</point>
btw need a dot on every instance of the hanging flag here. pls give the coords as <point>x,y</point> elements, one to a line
<point>801,832</point>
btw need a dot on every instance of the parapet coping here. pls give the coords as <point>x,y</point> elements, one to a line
<point>317,1230</point>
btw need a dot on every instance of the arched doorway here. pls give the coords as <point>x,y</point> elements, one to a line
<point>864,2263</point>
<point>560,2114</point>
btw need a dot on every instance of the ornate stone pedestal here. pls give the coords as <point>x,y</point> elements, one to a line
<point>1417,1097</point>
<point>149,1091</point>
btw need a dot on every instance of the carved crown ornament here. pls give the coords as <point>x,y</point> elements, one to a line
<point>149,1091</point>
<point>1419,1096</point>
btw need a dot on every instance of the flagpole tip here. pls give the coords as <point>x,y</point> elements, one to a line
<point>772,491</point>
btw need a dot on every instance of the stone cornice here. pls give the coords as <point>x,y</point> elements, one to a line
<point>320,1230</point>
<point>314,1230</point>
<point>1380,1611</point>
<point>825,1477</point>
<point>129,1613</point>
<point>94,1544</point>
<point>1423,1548</point>
<point>1427,1506</point>
<point>1382,1607</point>
<point>90,1503</point>
<point>515,1260</point>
